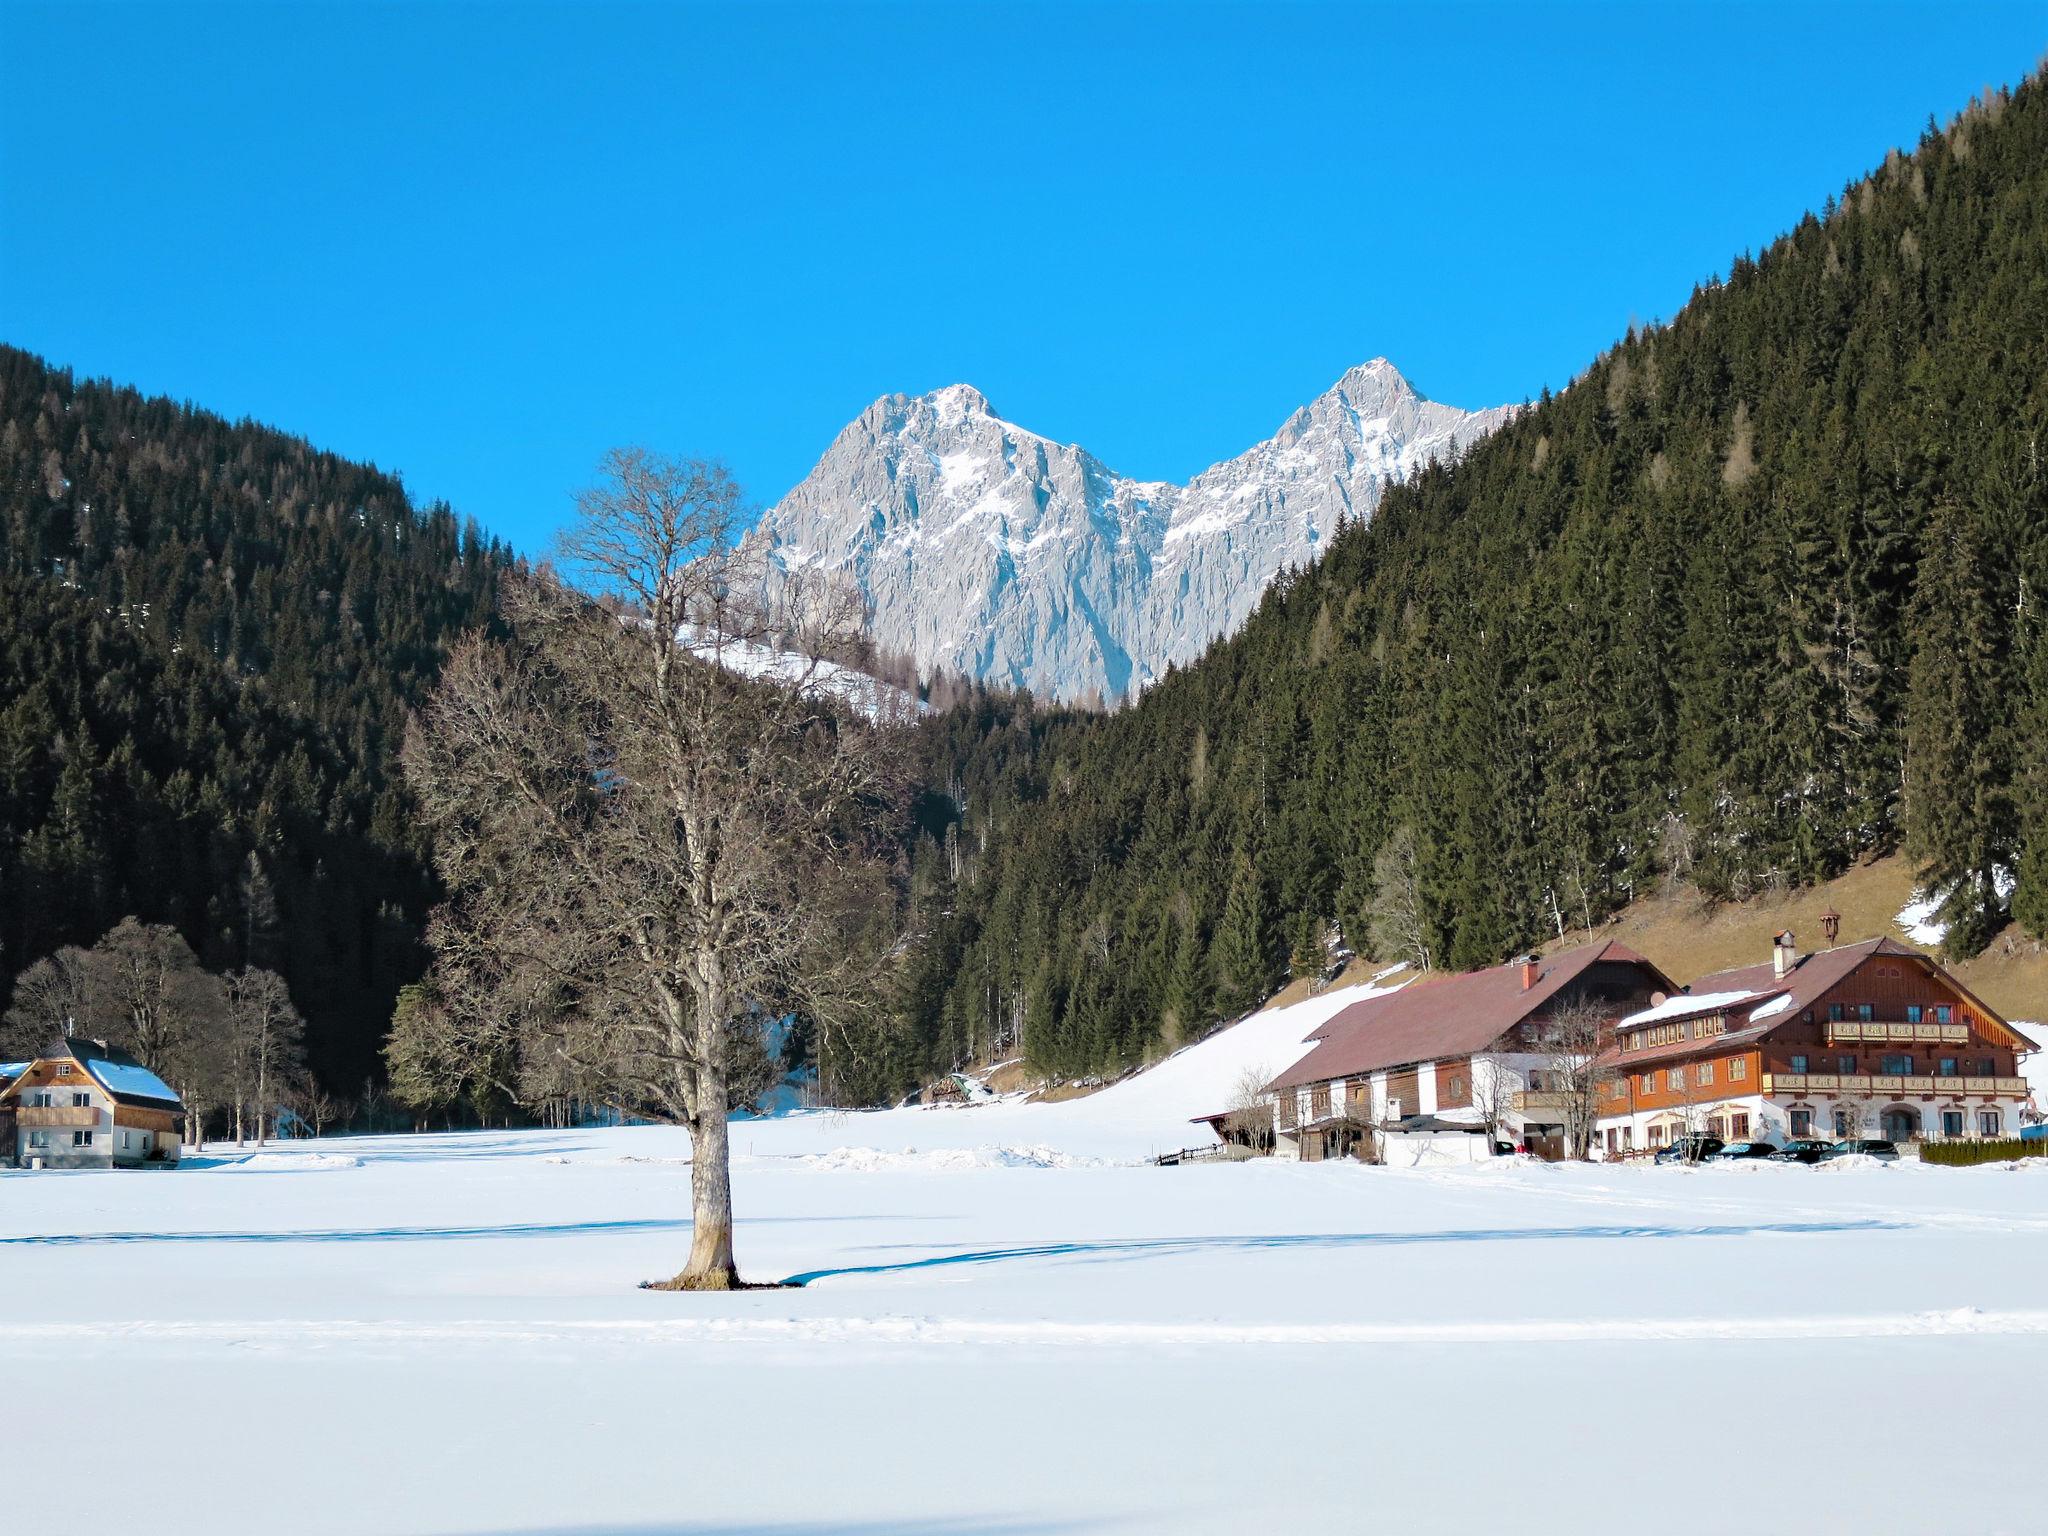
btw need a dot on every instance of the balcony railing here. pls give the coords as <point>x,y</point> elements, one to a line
<point>38,1117</point>
<point>1885,1083</point>
<point>1883,1033</point>
<point>1522,1101</point>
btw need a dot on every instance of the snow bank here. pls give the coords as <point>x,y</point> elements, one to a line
<point>293,1162</point>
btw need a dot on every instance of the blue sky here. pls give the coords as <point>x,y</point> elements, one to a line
<point>480,243</point>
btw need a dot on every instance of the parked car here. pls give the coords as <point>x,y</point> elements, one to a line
<point>1690,1149</point>
<point>1884,1151</point>
<point>1801,1151</point>
<point>1739,1151</point>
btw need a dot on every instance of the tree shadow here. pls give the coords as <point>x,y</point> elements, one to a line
<point>1120,1249</point>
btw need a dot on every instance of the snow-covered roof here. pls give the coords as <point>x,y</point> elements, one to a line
<point>1685,1004</point>
<point>123,1076</point>
<point>1773,1008</point>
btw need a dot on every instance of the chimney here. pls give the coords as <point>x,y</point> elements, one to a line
<point>1783,955</point>
<point>1532,968</point>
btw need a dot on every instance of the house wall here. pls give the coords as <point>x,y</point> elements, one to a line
<point>1426,1149</point>
<point>1890,985</point>
<point>1651,1087</point>
<point>1766,1123</point>
<point>1453,1084</point>
<point>65,1083</point>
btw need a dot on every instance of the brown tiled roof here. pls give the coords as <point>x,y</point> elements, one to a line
<point>1809,977</point>
<point>1443,1017</point>
<point>1801,987</point>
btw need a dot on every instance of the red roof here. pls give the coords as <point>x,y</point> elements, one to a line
<point>1448,1016</point>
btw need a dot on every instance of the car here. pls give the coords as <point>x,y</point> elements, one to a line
<point>1738,1151</point>
<point>1690,1149</point>
<point>1801,1151</point>
<point>1883,1151</point>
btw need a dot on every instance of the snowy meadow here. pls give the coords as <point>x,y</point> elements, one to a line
<point>1010,1324</point>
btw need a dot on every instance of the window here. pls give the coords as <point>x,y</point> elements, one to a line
<point>1319,1101</point>
<point>1649,1082</point>
<point>1628,1138</point>
<point>81,1100</point>
<point>1951,1122</point>
<point>1676,1077</point>
<point>1988,1123</point>
<point>1845,1122</point>
<point>1738,1069</point>
<point>39,1138</point>
<point>63,1069</point>
<point>1865,1012</point>
<point>1986,1066</point>
<point>1703,1074</point>
<point>1943,1013</point>
<point>1898,1066</point>
<point>1834,1013</point>
<point>81,1138</point>
<point>1948,1066</point>
<point>1912,1013</point>
<point>1457,1088</point>
<point>42,1100</point>
<point>1802,1122</point>
<point>1656,1135</point>
<point>1738,1126</point>
<point>1846,1065</point>
<point>1798,1063</point>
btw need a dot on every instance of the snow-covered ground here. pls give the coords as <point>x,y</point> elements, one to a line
<point>1009,1326</point>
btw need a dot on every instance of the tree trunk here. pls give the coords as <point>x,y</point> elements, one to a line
<point>711,1266</point>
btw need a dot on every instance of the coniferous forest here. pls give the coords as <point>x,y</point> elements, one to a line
<point>1758,595</point>
<point>210,634</point>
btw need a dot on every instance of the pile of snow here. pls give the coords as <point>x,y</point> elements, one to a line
<point>294,1162</point>
<point>1852,1162</point>
<point>941,1160</point>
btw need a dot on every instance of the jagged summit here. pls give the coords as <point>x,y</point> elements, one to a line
<point>989,550</point>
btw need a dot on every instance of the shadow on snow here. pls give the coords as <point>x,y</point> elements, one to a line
<point>1116,1248</point>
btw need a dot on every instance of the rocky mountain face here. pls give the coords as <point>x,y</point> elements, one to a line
<point>987,550</point>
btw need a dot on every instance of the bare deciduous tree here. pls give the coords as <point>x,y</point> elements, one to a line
<point>658,833</point>
<point>265,1046</point>
<point>1571,1039</point>
<point>1398,922</point>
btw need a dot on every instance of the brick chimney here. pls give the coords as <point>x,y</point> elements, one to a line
<point>1532,970</point>
<point>1783,955</point>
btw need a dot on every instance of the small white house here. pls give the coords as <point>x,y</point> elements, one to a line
<point>85,1104</point>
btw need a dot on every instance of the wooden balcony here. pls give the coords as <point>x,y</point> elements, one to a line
<point>1530,1101</point>
<point>31,1117</point>
<point>1882,1085</point>
<point>1885,1032</point>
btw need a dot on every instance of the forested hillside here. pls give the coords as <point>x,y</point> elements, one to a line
<point>1757,596</point>
<point>209,636</point>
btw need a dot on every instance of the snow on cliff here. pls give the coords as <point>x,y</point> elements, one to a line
<point>988,550</point>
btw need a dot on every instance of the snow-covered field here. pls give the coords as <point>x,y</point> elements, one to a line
<point>1009,1327</point>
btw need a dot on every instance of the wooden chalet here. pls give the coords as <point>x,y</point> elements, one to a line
<point>84,1104</point>
<point>1450,1052</point>
<point>1863,1040</point>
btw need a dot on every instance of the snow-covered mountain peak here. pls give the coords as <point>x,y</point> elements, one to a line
<point>986,549</point>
